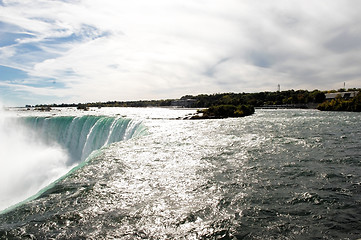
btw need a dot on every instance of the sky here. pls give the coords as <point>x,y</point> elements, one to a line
<point>71,51</point>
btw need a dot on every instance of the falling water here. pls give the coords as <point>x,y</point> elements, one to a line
<point>35,151</point>
<point>27,163</point>
<point>278,174</point>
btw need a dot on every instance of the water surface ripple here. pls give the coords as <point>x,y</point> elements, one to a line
<point>279,174</point>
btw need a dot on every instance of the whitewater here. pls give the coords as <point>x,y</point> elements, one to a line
<point>145,173</point>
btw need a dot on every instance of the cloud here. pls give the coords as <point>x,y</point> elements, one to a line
<point>122,50</point>
<point>345,40</point>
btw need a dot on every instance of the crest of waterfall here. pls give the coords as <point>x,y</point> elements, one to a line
<point>82,135</point>
<point>35,151</point>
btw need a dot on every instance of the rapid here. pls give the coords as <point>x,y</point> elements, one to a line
<point>278,174</point>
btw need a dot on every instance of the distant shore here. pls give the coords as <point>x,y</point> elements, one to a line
<point>291,99</point>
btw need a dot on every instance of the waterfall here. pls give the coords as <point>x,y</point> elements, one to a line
<point>82,135</point>
<point>35,151</point>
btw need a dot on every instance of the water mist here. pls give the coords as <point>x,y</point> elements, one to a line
<point>27,163</point>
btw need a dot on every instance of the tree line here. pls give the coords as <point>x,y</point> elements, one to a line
<point>340,104</point>
<point>207,100</point>
<point>289,97</point>
<point>258,99</point>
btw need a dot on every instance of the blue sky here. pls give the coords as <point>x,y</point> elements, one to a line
<point>87,50</point>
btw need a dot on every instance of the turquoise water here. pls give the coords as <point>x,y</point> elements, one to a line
<point>38,150</point>
<point>278,174</point>
<point>82,135</point>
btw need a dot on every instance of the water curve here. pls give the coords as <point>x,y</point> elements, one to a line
<point>36,151</point>
<point>82,135</point>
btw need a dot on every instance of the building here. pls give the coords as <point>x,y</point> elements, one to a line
<point>344,95</point>
<point>188,103</point>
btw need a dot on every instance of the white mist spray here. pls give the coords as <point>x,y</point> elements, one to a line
<point>26,164</point>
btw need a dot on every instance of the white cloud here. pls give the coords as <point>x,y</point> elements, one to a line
<point>46,91</point>
<point>124,50</point>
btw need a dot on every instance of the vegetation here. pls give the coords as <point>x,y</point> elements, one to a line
<point>291,97</point>
<point>83,107</point>
<point>262,98</point>
<point>225,111</point>
<point>43,109</point>
<point>145,103</point>
<point>340,104</point>
<point>236,104</point>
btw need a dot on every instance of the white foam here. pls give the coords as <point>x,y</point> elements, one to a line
<point>26,163</point>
